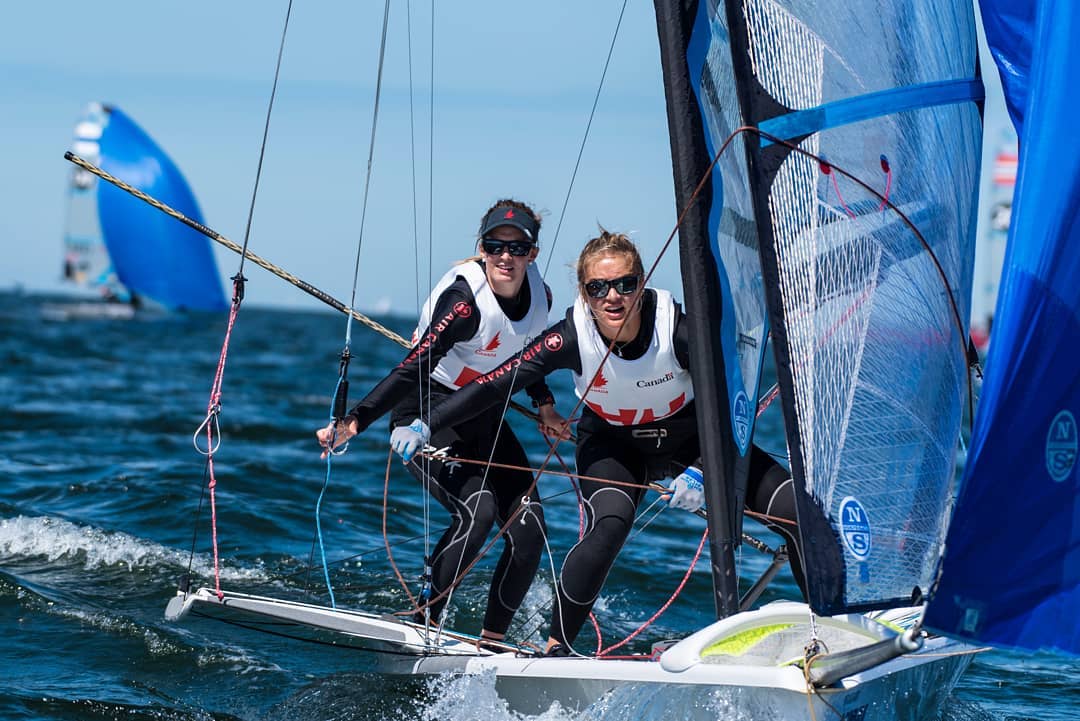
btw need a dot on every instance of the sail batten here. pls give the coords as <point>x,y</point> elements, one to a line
<point>873,105</point>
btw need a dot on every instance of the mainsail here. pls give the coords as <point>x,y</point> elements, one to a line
<point>868,317</point>
<point>123,246</point>
<point>1011,573</point>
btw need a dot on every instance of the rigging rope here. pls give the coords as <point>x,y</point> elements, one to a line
<point>341,389</point>
<point>213,410</point>
<point>508,403</point>
<point>585,137</point>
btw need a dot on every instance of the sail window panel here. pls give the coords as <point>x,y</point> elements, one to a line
<point>873,345</point>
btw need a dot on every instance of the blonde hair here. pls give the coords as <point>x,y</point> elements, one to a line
<point>609,244</point>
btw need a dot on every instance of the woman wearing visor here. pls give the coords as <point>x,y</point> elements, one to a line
<point>479,315</point>
<point>637,420</point>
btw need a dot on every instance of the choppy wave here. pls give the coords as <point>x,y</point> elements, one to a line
<point>53,539</point>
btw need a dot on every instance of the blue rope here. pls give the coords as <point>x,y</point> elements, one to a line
<point>318,503</point>
<point>318,530</point>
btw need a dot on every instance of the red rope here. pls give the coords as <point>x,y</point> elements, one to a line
<point>213,408</point>
<point>660,611</point>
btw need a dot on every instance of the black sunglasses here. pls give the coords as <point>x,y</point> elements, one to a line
<point>623,286</point>
<point>517,248</point>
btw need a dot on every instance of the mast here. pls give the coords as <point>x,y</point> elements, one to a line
<point>724,494</point>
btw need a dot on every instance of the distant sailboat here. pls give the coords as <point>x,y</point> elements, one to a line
<point>126,251</point>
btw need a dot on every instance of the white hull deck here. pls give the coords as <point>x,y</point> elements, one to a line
<point>740,667</point>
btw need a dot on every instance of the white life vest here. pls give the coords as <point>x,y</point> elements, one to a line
<point>497,340</point>
<point>632,392</point>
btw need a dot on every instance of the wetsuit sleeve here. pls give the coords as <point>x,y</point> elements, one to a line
<point>539,392</point>
<point>681,338</point>
<point>455,318</point>
<point>555,348</point>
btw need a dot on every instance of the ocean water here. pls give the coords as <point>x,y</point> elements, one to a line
<point>102,510</point>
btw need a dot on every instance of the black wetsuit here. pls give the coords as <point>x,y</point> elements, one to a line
<point>627,454</point>
<point>476,499</point>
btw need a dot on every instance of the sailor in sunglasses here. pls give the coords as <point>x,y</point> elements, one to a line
<point>481,313</point>
<point>637,421</point>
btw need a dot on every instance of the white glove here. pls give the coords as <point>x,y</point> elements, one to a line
<point>407,440</point>
<point>687,490</point>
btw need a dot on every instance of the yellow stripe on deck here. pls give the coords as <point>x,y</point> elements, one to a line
<point>742,642</point>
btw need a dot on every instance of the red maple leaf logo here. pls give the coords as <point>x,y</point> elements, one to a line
<point>600,380</point>
<point>495,343</point>
<point>462,309</point>
<point>553,342</point>
<point>509,213</point>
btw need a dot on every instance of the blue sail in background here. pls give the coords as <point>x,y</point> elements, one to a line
<point>1008,25</point>
<point>153,255</point>
<point>1011,572</point>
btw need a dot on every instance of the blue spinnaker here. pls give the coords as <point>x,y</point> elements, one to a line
<point>153,255</point>
<point>1011,573</point>
<point>1009,27</point>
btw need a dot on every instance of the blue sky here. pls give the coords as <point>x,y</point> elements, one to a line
<point>512,93</point>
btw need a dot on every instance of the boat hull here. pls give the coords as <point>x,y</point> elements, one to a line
<point>913,686</point>
<point>718,672</point>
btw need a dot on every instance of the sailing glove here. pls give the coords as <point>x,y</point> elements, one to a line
<point>687,491</point>
<point>407,440</point>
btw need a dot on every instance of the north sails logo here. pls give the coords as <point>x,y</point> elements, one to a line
<point>740,419</point>
<point>855,528</point>
<point>1061,446</point>
<point>490,348</point>
<point>509,213</point>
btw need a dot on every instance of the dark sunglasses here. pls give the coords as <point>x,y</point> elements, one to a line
<point>517,248</point>
<point>623,286</point>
